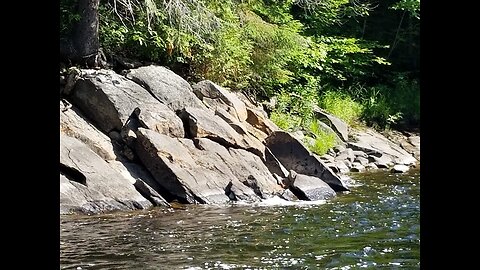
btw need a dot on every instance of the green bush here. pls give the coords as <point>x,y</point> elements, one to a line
<point>292,114</point>
<point>406,98</point>
<point>341,105</point>
<point>377,108</point>
<point>324,140</point>
<point>286,121</point>
<point>68,16</point>
<point>226,61</point>
<point>389,105</point>
<point>131,39</point>
<point>288,49</point>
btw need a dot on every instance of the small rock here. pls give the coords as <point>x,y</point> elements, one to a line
<point>351,155</point>
<point>339,148</point>
<point>331,152</point>
<point>115,136</point>
<point>402,161</point>
<point>311,188</point>
<point>298,135</point>
<point>359,153</point>
<point>348,163</point>
<point>338,125</point>
<point>288,195</point>
<point>414,140</point>
<point>342,168</point>
<point>346,154</point>
<point>357,167</point>
<point>400,168</point>
<point>327,158</point>
<point>371,166</point>
<point>383,161</point>
<point>361,160</point>
<point>342,156</point>
<point>332,166</point>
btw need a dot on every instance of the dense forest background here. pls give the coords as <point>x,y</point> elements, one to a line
<point>357,59</point>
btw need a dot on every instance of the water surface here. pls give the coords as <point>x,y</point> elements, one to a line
<point>375,226</point>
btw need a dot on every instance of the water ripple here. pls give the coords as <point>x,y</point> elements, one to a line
<point>374,226</point>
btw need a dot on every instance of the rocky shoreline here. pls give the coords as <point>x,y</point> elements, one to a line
<point>147,137</point>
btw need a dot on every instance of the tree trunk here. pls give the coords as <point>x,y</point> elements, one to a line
<point>83,46</point>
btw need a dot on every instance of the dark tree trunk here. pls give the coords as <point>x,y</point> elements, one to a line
<point>83,45</point>
<point>85,37</point>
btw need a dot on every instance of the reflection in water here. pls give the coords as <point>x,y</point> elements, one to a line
<point>374,226</point>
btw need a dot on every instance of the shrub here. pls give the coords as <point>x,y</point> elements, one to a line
<point>341,105</point>
<point>324,140</point>
<point>286,121</point>
<point>389,105</point>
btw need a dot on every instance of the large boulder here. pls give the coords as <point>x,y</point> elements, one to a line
<point>142,180</point>
<point>372,143</point>
<point>310,188</point>
<point>274,165</point>
<point>409,142</point>
<point>215,96</point>
<point>74,124</point>
<point>189,172</point>
<point>245,130</point>
<point>205,124</point>
<point>247,167</point>
<point>166,86</point>
<point>89,184</point>
<point>110,100</point>
<point>414,140</point>
<point>338,125</point>
<point>327,129</point>
<point>238,126</point>
<point>295,156</point>
<point>249,102</point>
<point>258,119</point>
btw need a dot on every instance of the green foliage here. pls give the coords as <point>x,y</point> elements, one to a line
<point>130,38</point>
<point>405,98</point>
<point>226,61</point>
<point>378,111</point>
<point>299,102</point>
<point>291,112</point>
<point>350,60</point>
<point>341,105</point>
<point>295,112</point>
<point>274,48</point>
<point>68,16</point>
<point>411,6</point>
<point>323,140</point>
<point>286,121</point>
<point>331,53</point>
<point>319,16</point>
<point>387,105</point>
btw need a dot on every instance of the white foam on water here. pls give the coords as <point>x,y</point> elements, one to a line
<point>277,201</point>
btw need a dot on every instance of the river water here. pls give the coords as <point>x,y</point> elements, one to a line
<point>376,225</point>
